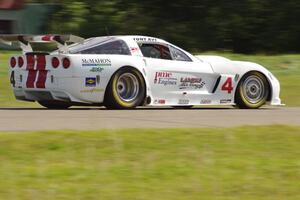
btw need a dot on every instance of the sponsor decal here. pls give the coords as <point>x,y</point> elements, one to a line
<point>191,83</point>
<point>145,39</point>
<point>94,90</point>
<point>164,78</point>
<point>90,82</point>
<point>96,69</point>
<point>205,101</point>
<point>183,101</point>
<point>225,101</point>
<point>91,62</point>
<point>159,101</point>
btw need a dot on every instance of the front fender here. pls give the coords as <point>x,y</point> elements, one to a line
<point>245,67</point>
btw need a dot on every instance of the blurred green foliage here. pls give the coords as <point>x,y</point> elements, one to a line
<point>239,25</point>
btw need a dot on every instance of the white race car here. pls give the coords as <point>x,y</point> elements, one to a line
<point>122,72</point>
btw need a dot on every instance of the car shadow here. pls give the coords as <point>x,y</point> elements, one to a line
<point>140,108</point>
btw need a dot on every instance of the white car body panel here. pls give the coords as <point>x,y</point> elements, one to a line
<point>225,66</point>
<point>169,82</point>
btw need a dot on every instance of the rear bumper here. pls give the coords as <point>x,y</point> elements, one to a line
<point>33,95</point>
<point>71,90</point>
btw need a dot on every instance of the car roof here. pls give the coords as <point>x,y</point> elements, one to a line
<point>128,39</point>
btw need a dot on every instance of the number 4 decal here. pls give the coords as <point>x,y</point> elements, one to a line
<point>227,86</point>
<point>12,79</point>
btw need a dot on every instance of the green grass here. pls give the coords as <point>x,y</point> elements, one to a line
<point>285,67</point>
<point>160,164</point>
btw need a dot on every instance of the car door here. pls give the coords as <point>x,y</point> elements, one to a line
<point>175,78</point>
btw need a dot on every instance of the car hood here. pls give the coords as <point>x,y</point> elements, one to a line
<point>226,66</point>
<point>212,59</point>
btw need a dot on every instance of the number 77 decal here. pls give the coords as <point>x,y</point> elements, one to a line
<point>227,86</point>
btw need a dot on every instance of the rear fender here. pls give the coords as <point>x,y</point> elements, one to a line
<point>140,70</point>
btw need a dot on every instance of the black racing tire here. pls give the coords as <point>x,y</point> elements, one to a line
<point>252,91</point>
<point>55,104</point>
<point>126,89</point>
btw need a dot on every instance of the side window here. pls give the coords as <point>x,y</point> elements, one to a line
<point>155,51</point>
<point>118,47</point>
<point>179,55</point>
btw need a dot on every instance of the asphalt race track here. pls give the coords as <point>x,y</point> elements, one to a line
<point>32,119</point>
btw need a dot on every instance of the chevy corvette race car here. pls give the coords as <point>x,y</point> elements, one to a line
<point>122,72</point>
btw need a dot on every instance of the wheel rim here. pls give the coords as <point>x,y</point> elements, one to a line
<point>127,87</point>
<point>254,89</point>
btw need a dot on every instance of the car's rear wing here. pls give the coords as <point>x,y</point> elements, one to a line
<point>23,41</point>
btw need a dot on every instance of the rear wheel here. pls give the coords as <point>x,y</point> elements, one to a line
<point>253,91</point>
<point>126,89</point>
<point>54,104</point>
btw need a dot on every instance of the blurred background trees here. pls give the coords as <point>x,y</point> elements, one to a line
<point>243,26</point>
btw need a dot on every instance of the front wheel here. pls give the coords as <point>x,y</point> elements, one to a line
<point>126,89</point>
<point>252,91</point>
<point>54,104</point>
